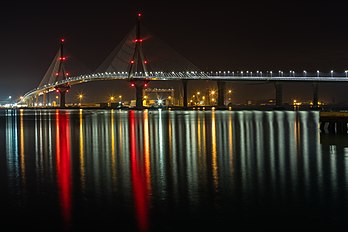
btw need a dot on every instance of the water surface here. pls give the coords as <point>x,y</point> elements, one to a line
<point>108,170</point>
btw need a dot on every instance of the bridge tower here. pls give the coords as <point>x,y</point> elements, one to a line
<point>138,66</point>
<point>61,74</point>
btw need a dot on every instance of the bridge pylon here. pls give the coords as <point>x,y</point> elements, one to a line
<point>61,74</point>
<point>138,65</point>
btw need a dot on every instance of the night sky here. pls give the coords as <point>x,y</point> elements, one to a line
<point>214,35</point>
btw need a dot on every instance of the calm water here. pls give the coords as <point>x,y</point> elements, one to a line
<point>170,171</point>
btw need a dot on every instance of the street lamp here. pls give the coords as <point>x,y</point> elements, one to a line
<point>318,73</point>
<point>346,72</point>
<point>80,98</point>
<point>305,73</point>
<point>331,73</point>
<point>229,95</point>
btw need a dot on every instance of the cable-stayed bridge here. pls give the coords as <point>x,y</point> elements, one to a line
<point>142,57</point>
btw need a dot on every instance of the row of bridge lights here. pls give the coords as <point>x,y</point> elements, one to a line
<point>260,73</point>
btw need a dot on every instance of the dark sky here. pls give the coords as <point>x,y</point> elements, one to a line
<point>214,35</point>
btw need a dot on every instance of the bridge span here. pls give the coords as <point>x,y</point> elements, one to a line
<point>220,77</point>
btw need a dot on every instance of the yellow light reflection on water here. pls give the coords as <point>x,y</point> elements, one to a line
<point>204,142</point>
<point>113,155</point>
<point>199,152</point>
<point>21,141</point>
<point>214,155</point>
<point>230,139</point>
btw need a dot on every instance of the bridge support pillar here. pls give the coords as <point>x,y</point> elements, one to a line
<point>221,93</point>
<point>279,94</point>
<point>62,99</point>
<point>36,101</point>
<point>62,89</point>
<point>184,85</point>
<point>29,102</point>
<point>44,100</point>
<point>315,95</point>
<point>139,89</point>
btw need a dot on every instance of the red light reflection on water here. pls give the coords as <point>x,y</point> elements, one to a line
<point>138,179</point>
<point>63,165</point>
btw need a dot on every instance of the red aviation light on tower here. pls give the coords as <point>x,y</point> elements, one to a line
<point>145,61</point>
<point>132,62</point>
<point>132,84</point>
<point>62,40</point>
<point>137,40</point>
<point>140,14</point>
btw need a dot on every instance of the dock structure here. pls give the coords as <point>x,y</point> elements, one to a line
<point>334,122</point>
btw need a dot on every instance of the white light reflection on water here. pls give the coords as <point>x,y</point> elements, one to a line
<point>12,153</point>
